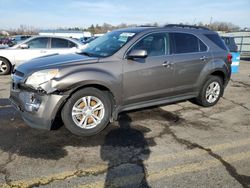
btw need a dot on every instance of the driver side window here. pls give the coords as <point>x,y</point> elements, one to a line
<point>38,43</point>
<point>156,44</point>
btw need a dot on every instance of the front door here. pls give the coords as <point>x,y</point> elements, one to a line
<point>37,47</point>
<point>151,77</point>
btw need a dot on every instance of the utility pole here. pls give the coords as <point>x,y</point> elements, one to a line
<point>211,20</point>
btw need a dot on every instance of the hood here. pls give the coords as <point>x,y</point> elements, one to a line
<point>55,61</point>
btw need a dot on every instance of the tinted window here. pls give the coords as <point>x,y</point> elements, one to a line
<point>154,44</point>
<point>61,43</point>
<point>231,45</point>
<point>71,44</point>
<point>185,43</point>
<point>24,37</point>
<point>38,43</point>
<point>202,46</point>
<point>226,40</point>
<point>216,40</point>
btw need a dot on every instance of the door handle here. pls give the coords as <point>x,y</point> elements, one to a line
<point>167,64</point>
<point>43,51</point>
<point>203,58</point>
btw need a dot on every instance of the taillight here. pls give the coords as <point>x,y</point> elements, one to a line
<point>229,58</point>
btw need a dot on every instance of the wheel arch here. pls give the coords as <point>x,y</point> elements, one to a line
<point>99,86</point>
<point>6,60</point>
<point>220,74</point>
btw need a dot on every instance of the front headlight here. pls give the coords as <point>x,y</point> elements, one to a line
<point>41,77</point>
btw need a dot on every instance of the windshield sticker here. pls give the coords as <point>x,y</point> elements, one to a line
<point>124,36</point>
<point>127,34</point>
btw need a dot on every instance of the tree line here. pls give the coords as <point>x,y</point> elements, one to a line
<point>105,27</point>
<point>216,26</point>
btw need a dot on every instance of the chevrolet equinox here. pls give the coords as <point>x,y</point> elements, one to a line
<point>123,70</point>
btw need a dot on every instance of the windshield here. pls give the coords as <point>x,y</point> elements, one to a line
<point>108,44</point>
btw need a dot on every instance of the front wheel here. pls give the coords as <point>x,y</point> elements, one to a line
<point>87,112</point>
<point>211,92</point>
<point>5,66</point>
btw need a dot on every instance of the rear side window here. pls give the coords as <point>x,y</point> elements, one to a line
<point>226,40</point>
<point>216,40</point>
<point>61,43</point>
<point>71,44</point>
<point>186,43</point>
<point>202,46</point>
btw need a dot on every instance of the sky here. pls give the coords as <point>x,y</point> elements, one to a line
<point>52,14</point>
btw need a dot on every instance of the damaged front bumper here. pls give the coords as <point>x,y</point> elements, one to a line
<point>37,109</point>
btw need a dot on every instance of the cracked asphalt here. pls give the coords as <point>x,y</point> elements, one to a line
<point>179,145</point>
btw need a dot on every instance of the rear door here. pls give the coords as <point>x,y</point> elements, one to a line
<point>148,78</point>
<point>190,57</point>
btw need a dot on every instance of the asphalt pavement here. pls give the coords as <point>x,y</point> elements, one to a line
<point>178,145</point>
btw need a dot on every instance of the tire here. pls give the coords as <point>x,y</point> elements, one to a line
<point>5,66</point>
<point>84,120</point>
<point>204,97</point>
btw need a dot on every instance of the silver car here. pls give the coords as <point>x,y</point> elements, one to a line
<point>36,47</point>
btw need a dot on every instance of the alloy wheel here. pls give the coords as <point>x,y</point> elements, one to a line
<point>3,66</point>
<point>213,92</point>
<point>88,112</point>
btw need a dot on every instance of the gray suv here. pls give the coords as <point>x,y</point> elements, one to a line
<point>123,70</point>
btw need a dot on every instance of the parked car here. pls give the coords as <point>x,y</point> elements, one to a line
<point>230,42</point>
<point>3,46</point>
<point>233,48</point>
<point>5,41</point>
<point>123,70</point>
<point>89,40</point>
<point>35,47</point>
<point>18,38</point>
<point>83,39</point>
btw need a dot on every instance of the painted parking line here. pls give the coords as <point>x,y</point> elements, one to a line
<point>56,177</point>
<point>102,168</point>
<point>198,152</point>
<point>177,170</point>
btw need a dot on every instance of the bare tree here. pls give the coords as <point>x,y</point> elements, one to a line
<point>24,30</point>
<point>223,26</point>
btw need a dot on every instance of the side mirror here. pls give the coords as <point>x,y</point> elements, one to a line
<point>24,46</point>
<point>137,54</point>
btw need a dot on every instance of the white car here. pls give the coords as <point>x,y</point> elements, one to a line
<point>36,47</point>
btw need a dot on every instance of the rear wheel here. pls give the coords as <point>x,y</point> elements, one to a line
<point>87,112</point>
<point>211,92</point>
<point>5,66</point>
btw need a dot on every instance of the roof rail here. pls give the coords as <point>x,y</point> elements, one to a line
<point>145,26</point>
<point>187,26</point>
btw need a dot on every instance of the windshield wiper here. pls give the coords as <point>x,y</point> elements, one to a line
<point>87,54</point>
<point>90,54</point>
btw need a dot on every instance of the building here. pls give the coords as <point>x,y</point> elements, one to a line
<point>67,33</point>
